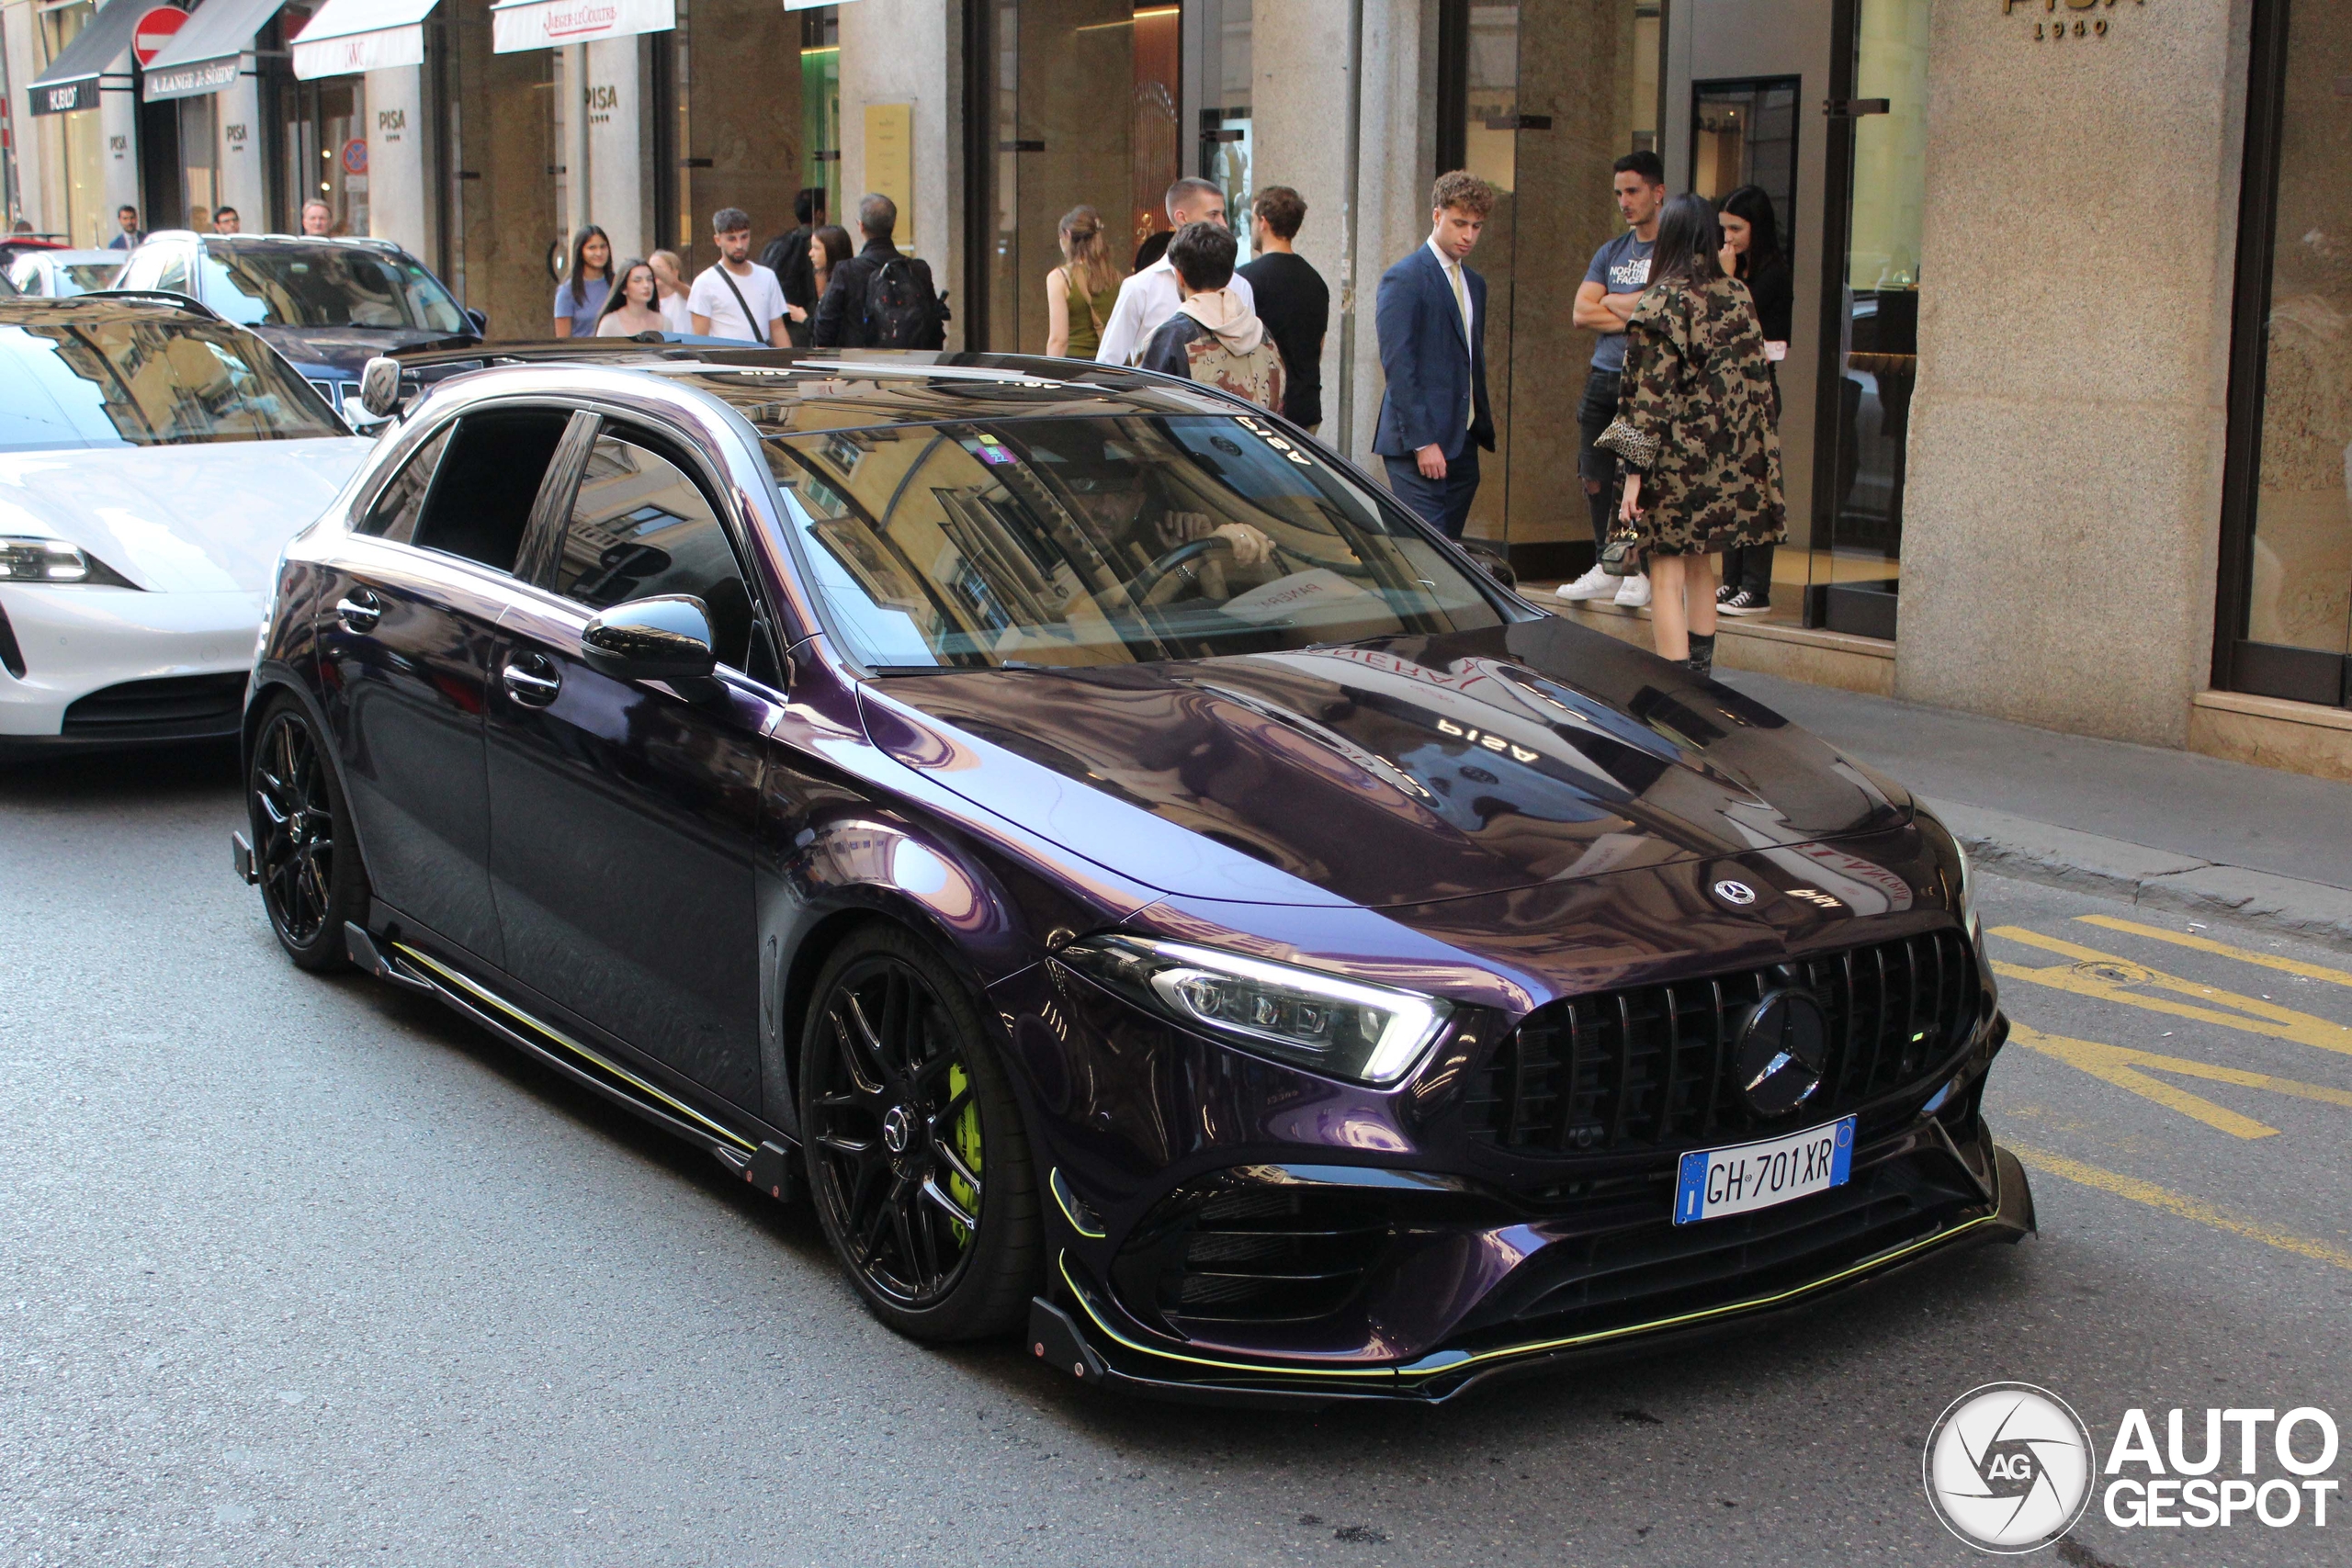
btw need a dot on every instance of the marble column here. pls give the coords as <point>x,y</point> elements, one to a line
<point>397,186</point>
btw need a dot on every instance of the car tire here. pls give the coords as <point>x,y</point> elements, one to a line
<point>908,1120</point>
<point>304,854</point>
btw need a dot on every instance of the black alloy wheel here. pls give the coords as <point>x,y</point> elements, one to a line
<point>309,865</point>
<point>917,1157</point>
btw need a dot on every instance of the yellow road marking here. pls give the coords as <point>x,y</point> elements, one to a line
<point>2119,1065</point>
<point>2207,944</point>
<point>2187,1207</point>
<point>2269,1018</point>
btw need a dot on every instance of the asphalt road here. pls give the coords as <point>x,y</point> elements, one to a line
<point>305,1271</point>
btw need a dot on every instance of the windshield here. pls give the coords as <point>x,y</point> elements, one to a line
<point>283,284</point>
<point>1103,541</point>
<point>148,381</point>
<point>80,277</point>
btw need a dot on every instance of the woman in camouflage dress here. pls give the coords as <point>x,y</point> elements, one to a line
<point>1694,427</point>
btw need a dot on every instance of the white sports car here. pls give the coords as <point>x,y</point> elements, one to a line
<point>153,459</point>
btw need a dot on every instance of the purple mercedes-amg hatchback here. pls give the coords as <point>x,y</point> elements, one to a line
<point>1142,887</point>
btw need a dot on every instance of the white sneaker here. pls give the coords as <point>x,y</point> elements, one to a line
<point>1635,595</point>
<point>1593,584</point>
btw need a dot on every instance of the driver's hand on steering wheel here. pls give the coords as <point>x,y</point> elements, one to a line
<point>1249,546</point>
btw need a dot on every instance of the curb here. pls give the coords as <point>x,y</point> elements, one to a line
<point>2112,868</point>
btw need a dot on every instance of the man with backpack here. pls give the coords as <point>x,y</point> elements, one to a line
<point>880,297</point>
<point>1213,337</point>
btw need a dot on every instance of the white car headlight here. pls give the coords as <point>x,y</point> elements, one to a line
<point>1343,1028</point>
<point>24,559</point>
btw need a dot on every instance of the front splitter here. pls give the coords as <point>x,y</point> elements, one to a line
<point>1071,1330</point>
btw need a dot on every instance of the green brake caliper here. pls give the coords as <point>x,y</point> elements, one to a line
<point>967,1133</point>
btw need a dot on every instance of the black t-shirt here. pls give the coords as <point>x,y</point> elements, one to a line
<point>787,257</point>
<point>1775,294</point>
<point>1295,304</point>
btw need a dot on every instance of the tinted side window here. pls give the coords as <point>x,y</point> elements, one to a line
<point>401,502</point>
<point>481,499</point>
<point>642,527</point>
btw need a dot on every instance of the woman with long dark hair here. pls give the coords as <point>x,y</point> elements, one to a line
<point>1694,426</point>
<point>580,298</point>
<point>1751,252</point>
<point>635,304</point>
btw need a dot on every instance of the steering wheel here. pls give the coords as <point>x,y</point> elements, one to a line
<point>1146,589</point>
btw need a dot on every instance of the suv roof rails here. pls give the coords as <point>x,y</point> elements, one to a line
<point>162,296</point>
<point>375,240</point>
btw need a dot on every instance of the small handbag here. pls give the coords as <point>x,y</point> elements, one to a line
<point>1622,556</point>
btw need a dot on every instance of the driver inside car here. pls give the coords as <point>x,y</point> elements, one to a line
<point>1137,526</point>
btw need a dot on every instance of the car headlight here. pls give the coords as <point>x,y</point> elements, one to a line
<point>1343,1028</point>
<point>24,558</point>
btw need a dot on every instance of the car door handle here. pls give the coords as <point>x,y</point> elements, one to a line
<point>531,680</point>
<point>359,609</point>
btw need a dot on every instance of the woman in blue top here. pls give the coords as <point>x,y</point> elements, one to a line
<point>581,295</point>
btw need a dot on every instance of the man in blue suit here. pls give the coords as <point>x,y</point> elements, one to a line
<point>1431,315</point>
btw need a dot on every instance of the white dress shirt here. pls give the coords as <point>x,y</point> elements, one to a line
<point>1460,284</point>
<point>1145,301</point>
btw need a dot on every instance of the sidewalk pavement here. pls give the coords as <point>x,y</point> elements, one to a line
<point>2173,829</point>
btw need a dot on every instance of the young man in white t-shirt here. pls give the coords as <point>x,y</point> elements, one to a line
<point>719,301</point>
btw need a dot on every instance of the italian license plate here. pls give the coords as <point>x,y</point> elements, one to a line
<point>1712,1183</point>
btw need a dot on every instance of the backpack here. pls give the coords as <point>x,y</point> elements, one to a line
<point>903,310</point>
<point>1255,376</point>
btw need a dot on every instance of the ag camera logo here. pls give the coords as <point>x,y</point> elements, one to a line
<point>2008,1467</point>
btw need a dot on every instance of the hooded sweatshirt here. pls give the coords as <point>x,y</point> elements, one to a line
<point>1218,341</point>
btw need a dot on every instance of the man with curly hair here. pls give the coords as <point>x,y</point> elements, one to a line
<point>1432,316</point>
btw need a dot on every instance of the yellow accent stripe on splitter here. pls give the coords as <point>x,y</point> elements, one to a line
<point>1538,1347</point>
<point>1055,1184</point>
<point>585,1053</point>
<point>1076,1290</point>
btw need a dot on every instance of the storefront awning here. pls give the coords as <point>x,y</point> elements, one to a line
<point>205,55</point>
<point>350,35</point>
<point>518,25</point>
<point>72,80</point>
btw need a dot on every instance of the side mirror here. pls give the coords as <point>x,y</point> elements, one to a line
<point>1497,564</point>
<point>663,638</point>
<point>480,321</point>
<point>379,387</point>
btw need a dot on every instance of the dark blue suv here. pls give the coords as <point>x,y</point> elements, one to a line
<point>328,305</point>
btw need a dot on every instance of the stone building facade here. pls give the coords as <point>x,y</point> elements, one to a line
<point>2067,406</point>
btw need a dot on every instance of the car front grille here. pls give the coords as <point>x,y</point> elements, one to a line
<point>1649,1068</point>
<point>1259,1255</point>
<point>176,707</point>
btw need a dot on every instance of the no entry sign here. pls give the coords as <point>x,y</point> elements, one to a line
<point>153,31</point>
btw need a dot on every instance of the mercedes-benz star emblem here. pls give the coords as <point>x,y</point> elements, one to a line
<point>1738,893</point>
<point>1784,1049</point>
<point>898,1129</point>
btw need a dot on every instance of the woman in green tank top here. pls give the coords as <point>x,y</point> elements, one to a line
<point>1081,292</point>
